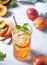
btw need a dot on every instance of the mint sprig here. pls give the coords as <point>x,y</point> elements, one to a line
<point>24,28</point>
<point>2,56</point>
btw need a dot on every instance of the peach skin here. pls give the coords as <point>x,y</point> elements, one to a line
<point>40,60</point>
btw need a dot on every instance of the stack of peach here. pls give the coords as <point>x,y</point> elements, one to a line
<point>5,30</point>
<point>39,22</point>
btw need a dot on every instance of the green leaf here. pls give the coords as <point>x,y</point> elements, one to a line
<point>13,4</point>
<point>24,28</point>
<point>1,1</point>
<point>18,27</point>
<point>2,56</point>
<point>26,24</point>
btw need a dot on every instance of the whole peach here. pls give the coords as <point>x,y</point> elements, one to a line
<point>32,13</point>
<point>40,23</point>
<point>40,60</point>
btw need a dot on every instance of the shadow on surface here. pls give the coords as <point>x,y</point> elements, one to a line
<point>33,54</point>
<point>8,14</point>
<point>44,31</point>
<point>45,15</point>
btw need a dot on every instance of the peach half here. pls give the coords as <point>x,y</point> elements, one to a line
<point>3,10</point>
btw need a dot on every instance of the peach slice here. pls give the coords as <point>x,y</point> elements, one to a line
<point>40,60</point>
<point>2,38</point>
<point>6,2</point>
<point>3,10</point>
<point>8,33</point>
<point>2,24</point>
<point>3,32</point>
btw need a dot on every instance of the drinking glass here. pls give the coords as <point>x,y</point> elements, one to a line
<point>21,45</point>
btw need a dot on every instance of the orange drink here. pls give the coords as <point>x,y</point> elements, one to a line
<point>21,44</point>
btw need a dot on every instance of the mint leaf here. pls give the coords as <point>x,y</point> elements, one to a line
<point>2,56</point>
<point>1,1</point>
<point>26,24</point>
<point>26,30</point>
<point>18,27</point>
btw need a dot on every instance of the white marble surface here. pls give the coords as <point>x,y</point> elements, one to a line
<point>39,38</point>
